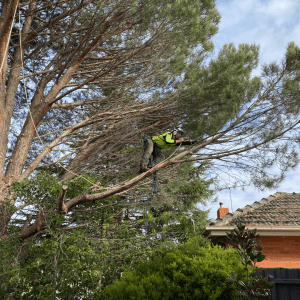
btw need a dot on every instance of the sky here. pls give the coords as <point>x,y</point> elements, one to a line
<point>271,24</point>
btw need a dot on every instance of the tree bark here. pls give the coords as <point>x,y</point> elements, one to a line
<point>7,100</point>
<point>6,23</point>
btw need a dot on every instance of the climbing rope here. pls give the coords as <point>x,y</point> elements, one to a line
<point>153,192</point>
<point>148,199</point>
<point>6,50</point>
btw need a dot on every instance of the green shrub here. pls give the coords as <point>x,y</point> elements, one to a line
<point>180,272</point>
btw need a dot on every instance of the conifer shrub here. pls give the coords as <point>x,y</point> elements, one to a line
<point>180,272</point>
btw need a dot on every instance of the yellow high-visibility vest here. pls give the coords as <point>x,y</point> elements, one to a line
<point>164,141</point>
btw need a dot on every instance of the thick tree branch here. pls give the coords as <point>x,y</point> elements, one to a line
<point>28,220</point>
<point>7,100</point>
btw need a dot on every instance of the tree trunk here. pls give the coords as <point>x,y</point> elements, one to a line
<point>6,23</point>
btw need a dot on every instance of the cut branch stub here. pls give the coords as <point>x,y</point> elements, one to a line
<point>39,220</point>
<point>61,198</point>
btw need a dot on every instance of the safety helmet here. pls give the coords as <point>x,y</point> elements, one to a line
<point>177,130</point>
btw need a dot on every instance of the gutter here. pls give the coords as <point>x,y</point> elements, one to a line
<point>262,230</point>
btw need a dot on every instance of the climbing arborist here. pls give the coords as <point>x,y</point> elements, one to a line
<point>154,145</point>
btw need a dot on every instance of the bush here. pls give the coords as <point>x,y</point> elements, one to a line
<point>180,272</point>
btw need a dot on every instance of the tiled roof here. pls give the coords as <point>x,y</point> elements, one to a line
<point>280,209</point>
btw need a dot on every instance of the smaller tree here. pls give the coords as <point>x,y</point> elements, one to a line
<point>194,270</point>
<point>249,250</point>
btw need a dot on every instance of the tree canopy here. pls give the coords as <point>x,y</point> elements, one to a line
<point>81,64</point>
<point>82,82</point>
<point>184,272</point>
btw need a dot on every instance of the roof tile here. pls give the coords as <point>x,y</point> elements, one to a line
<point>278,209</point>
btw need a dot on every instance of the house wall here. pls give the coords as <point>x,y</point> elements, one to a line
<point>280,251</point>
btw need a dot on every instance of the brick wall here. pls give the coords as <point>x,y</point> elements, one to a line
<point>280,251</point>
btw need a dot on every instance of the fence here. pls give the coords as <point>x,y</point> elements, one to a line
<point>287,283</point>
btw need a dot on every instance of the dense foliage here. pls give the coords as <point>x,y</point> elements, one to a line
<point>188,271</point>
<point>89,249</point>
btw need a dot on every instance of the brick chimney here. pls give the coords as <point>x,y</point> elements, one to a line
<point>222,211</point>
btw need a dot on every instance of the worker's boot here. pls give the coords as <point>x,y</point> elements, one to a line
<point>143,168</point>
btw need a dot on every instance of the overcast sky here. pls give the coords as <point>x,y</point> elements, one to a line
<point>272,24</point>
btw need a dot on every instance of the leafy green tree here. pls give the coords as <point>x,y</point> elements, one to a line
<point>89,248</point>
<point>194,270</point>
<point>140,47</point>
<point>249,250</point>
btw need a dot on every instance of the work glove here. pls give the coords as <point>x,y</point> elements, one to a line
<point>194,142</point>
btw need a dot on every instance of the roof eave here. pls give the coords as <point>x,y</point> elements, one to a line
<point>261,230</point>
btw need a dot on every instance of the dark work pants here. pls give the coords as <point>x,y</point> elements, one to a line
<point>151,149</point>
